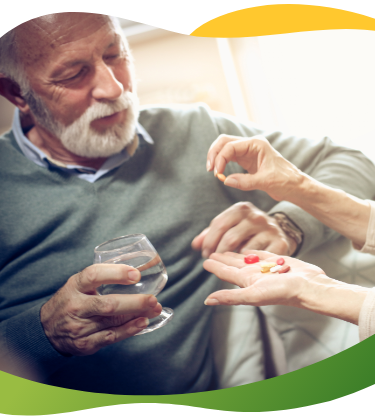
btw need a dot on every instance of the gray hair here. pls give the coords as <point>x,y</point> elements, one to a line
<point>10,64</point>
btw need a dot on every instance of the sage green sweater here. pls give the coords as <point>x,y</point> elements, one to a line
<point>50,222</point>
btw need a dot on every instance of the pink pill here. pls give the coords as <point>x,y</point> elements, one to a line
<point>280,261</point>
<point>284,269</point>
<point>251,259</point>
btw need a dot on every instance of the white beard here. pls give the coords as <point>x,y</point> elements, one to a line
<point>83,140</point>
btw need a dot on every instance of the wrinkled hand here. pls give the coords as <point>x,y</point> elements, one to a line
<point>79,321</point>
<point>260,289</point>
<point>267,169</point>
<point>242,228</point>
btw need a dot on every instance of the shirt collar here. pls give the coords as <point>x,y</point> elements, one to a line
<point>37,156</point>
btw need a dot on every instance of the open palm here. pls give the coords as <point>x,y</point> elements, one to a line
<point>259,289</point>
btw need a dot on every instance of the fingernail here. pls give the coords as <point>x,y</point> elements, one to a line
<point>215,172</point>
<point>208,165</point>
<point>142,322</point>
<point>205,254</point>
<point>231,182</point>
<point>134,276</point>
<point>157,307</point>
<point>210,302</point>
<point>152,302</point>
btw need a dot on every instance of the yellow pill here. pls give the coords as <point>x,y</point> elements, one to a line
<point>270,265</point>
<point>266,267</point>
<point>221,177</point>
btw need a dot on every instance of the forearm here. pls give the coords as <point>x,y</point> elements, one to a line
<point>340,211</point>
<point>334,166</point>
<point>333,298</point>
<point>26,351</point>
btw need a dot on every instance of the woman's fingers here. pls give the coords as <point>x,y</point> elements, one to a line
<point>229,259</point>
<point>272,289</point>
<point>222,271</point>
<point>245,151</point>
<point>232,297</point>
<point>243,181</point>
<point>216,147</point>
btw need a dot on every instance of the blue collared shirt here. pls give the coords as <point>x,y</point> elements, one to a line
<point>89,174</point>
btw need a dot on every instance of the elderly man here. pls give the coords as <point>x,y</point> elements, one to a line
<point>78,168</point>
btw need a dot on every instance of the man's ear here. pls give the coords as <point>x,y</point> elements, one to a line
<point>11,91</point>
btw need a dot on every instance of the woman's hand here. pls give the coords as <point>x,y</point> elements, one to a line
<point>259,289</point>
<point>267,169</point>
<point>304,286</point>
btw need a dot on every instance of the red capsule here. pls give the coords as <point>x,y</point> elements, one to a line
<point>284,269</point>
<point>251,259</point>
<point>280,261</point>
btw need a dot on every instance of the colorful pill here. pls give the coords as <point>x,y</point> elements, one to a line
<point>266,267</point>
<point>251,259</point>
<point>221,177</point>
<point>270,264</point>
<point>284,269</point>
<point>280,261</point>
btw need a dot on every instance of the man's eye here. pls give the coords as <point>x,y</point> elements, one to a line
<point>112,57</point>
<point>76,75</point>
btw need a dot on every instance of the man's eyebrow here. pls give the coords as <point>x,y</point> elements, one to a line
<point>69,64</point>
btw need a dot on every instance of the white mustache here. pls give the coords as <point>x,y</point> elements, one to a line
<point>101,110</point>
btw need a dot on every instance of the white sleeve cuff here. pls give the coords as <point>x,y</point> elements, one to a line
<point>369,246</point>
<point>366,321</point>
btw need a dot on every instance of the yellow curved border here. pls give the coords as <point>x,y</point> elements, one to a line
<point>282,18</point>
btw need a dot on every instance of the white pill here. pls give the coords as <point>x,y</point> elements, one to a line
<point>275,269</point>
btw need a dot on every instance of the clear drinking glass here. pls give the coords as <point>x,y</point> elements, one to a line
<point>136,251</point>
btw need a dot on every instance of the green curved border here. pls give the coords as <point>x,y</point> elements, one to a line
<point>338,376</point>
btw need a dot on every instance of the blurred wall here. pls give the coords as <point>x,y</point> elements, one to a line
<point>181,69</point>
<point>6,114</point>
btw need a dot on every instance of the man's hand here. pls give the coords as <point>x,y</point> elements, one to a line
<point>79,321</point>
<point>267,169</point>
<point>242,228</point>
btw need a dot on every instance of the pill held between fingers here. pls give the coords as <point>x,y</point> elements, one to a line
<point>284,269</point>
<point>251,259</point>
<point>280,261</point>
<point>221,177</point>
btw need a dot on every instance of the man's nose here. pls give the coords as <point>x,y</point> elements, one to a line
<point>106,86</point>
